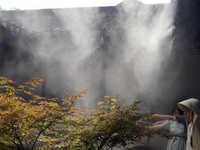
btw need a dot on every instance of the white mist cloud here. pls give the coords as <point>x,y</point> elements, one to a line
<point>76,56</point>
<point>46,4</point>
<point>155,1</point>
<point>145,47</point>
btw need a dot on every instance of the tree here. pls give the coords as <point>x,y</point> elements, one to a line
<point>22,123</point>
<point>113,124</point>
<point>42,123</point>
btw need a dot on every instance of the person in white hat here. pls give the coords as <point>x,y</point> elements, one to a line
<point>191,108</point>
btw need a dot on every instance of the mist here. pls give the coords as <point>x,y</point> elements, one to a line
<point>146,51</point>
<point>121,51</point>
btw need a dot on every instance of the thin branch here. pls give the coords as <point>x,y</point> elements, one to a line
<point>40,134</point>
<point>7,146</point>
<point>18,138</point>
<point>12,142</point>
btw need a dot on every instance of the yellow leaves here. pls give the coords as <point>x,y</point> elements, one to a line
<point>33,101</point>
<point>112,107</point>
<point>114,100</point>
<point>29,93</point>
<point>86,92</point>
<point>37,80</point>
<point>78,92</point>
<point>53,105</point>
<point>100,103</point>
<point>41,114</point>
<point>4,80</point>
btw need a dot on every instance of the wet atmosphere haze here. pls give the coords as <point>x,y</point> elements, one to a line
<point>124,51</point>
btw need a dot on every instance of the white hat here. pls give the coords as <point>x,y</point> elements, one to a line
<point>193,104</point>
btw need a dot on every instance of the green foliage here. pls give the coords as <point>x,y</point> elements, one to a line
<point>113,124</point>
<point>22,123</point>
<point>41,123</point>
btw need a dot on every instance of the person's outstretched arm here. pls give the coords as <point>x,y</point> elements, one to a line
<point>158,127</point>
<point>164,117</point>
<point>159,122</point>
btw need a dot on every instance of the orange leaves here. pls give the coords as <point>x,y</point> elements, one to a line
<point>104,115</point>
<point>57,123</point>
<point>21,117</point>
<point>111,124</point>
<point>86,92</point>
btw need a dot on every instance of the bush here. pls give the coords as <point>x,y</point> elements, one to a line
<point>41,123</point>
<point>23,123</point>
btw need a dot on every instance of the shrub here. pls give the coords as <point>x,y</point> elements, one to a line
<point>42,123</point>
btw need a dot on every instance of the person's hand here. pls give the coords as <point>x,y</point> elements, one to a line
<point>155,116</point>
<point>150,127</point>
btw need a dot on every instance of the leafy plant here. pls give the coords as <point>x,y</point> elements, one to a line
<point>112,124</point>
<point>22,123</point>
<point>42,123</point>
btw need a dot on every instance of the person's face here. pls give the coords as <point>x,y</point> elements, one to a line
<point>176,113</point>
<point>187,113</point>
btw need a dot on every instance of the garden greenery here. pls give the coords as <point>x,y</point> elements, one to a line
<point>54,123</point>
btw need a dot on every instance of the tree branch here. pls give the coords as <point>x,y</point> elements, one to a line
<point>41,133</point>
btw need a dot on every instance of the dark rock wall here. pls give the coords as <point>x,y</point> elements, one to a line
<point>21,57</point>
